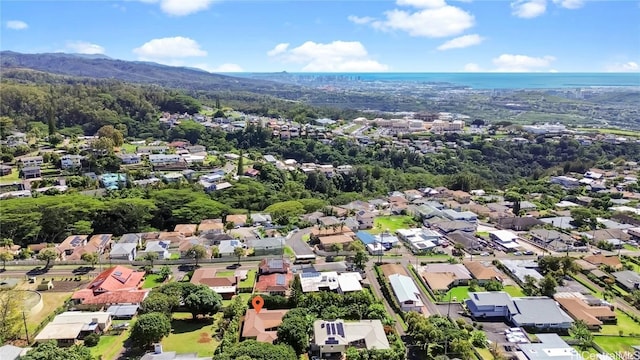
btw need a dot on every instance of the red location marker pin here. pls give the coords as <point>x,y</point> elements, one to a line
<point>258,303</point>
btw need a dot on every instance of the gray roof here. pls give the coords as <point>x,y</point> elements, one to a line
<point>404,288</point>
<point>627,277</point>
<point>551,346</point>
<point>266,243</point>
<point>10,352</point>
<point>122,310</point>
<point>539,310</point>
<point>129,238</point>
<point>492,298</point>
<point>122,248</point>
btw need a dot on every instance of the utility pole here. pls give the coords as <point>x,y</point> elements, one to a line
<point>26,330</point>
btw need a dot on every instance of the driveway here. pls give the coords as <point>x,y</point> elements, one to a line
<point>299,246</point>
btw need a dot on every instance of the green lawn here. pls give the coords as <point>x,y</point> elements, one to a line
<point>625,323</point>
<point>188,336</point>
<point>110,346</point>
<point>306,237</point>
<point>590,352</point>
<point>629,247</point>
<point>129,148</point>
<point>244,296</point>
<point>13,177</point>
<point>227,273</point>
<point>613,344</point>
<point>612,131</point>
<point>514,291</point>
<point>289,252</point>
<point>250,280</point>
<point>458,293</point>
<point>151,281</point>
<point>484,353</point>
<point>391,223</point>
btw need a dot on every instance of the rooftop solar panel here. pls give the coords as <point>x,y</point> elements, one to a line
<point>280,280</point>
<point>340,329</point>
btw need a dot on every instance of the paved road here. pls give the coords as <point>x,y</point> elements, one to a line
<point>299,246</point>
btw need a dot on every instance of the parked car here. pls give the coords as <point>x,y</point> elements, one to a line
<point>233,266</point>
<point>528,252</point>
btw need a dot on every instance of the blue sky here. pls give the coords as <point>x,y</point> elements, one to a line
<point>337,36</point>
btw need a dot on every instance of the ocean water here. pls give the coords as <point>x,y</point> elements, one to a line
<point>494,80</point>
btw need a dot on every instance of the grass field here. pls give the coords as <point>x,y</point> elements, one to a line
<point>110,346</point>
<point>51,301</point>
<point>485,354</point>
<point>625,323</point>
<point>188,336</point>
<point>613,344</point>
<point>514,291</point>
<point>129,148</point>
<point>250,280</point>
<point>244,296</point>
<point>13,177</point>
<point>612,131</point>
<point>151,281</point>
<point>391,223</point>
<point>289,252</point>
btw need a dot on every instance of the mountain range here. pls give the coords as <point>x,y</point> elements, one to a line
<point>103,67</point>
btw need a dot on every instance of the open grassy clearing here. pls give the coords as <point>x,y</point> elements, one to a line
<point>226,273</point>
<point>612,131</point>
<point>188,336</point>
<point>250,280</point>
<point>514,291</point>
<point>110,346</point>
<point>613,344</point>
<point>11,178</point>
<point>391,223</point>
<point>128,148</point>
<point>151,281</point>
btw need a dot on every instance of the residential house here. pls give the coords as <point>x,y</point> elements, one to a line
<point>482,272</point>
<point>365,219</point>
<point>116,285</point>
<point>552,240</point>
<point>130,159</point>
<point>71,326</point>
<point>384,240</point>
<point>550,347</point>
<point>186,229</point>
<point>593,313</point>
<point>123,251</point>
<point>156,246</point>
<point>530,312</point>
<point>174,238</point>
<point>159,354</point>
<point>605,235</point>
<point>420,239</point>
<point>627,279</point>
<point>443,276</point>
<point>406,292</point>
<point>611,261</point>
<point>70,161</point>
<point>71,243</point>
<point>10,352</point>
<point>214,226</point>
<point>123,312</point>
<point>131,239</point>
<point>505,239</point>
<point>260,219</point>
<point>274,266</point>
<point>274,284</point>
<point>148,150</point>
<point>334,337</point>
<point>470,242</point>
<point>164,159</point>
<point>30,172</point>
<point>267,246</point>
<point>101,242</point>
<point>225,286</point>
<point>520,269</point>
<point>226,247</point>
<point>237,219</point>
<point>331,281</point>
<point>524,223</point>
<point>5,170</point>
<point>196,149</point>
<point>454,225</point>
<point>262,326</point>
<point>460,215</point>
<point>30,161</point>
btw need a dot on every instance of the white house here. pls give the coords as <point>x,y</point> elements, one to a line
<point>164,159</point>
<point>123,251</point>
<point>70,161</point>
<point>407,292</point>
<point>333,337</point>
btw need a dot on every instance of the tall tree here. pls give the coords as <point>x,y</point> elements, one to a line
<point>47,254</point>
<point>581,333</point>
<point>51,351</point>
<point>110,132</point>
<point>151,257</point>
<point>4,257</point>
<point>91,258</point>
<point>239,252</point>
<point>240,171</point>
<point>197,252</point>
<point>150,328</point>
<point>360,259</point>
<point>10,314</point>
<point>203,301</point>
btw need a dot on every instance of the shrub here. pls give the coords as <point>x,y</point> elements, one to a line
<point>91,340</point>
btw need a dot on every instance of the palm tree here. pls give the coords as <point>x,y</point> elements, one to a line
<point>151,257</point>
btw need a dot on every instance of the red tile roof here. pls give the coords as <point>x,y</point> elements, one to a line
<point>269,283</point>
<point>116,285</point>
<point>262,325</point>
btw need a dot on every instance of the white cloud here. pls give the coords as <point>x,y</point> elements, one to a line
<point>360,20</point>
<point>223,68</point>
<point>528,9</point>
<point>570,4</point>
<point>462,42</point>
<point>522,63</point>
<point>278,49</point>
<point>83,47</point>
<point>169,48</point>
<point>181,7</point>
<point>337,56</point>
<point>472,67</point>
<point>17,25</point>
<point>422,3</point>
<point>432,22</point>
<point>630,66</point>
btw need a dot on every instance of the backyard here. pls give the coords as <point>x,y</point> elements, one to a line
<point>624,324</point>
<point>391,223</point>
<point>249,281</point>
<point>614,344</point>
<point>460,293</point>
<point>110,346</point>
<point>189,336</point>
<point>13,177</point>
<point>51,301</point>
<point>151,281</point>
